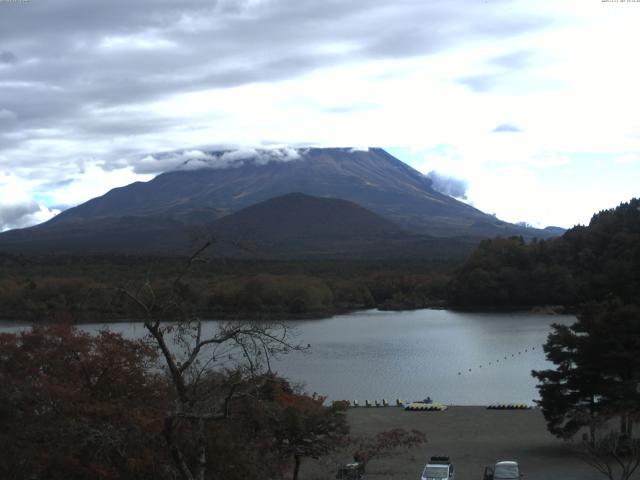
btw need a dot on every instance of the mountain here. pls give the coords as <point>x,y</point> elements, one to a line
<point>299,217</point>
<point>126,234</point>
<point>554,231</point>
<point>366,203</point>
<point>373,179</point>
<point>294,225</point>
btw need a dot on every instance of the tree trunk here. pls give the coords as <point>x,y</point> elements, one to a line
<point>625,424</point>
<point>592,424</point>
<point>201,448</point>
<point>176,453</point>
<point>296,467</point>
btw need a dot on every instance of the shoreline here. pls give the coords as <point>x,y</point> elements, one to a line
<point>550,310</point>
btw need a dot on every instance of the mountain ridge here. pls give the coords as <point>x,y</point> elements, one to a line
<point>373,179</point>
<point>292,226</point>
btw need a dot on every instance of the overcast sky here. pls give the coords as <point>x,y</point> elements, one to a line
<point>526,109</point>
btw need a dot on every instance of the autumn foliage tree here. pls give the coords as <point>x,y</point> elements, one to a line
<point>192,353</point>
<point>81,406</point>
<point>76,406</point>
<point>385,444</point>
<point>306,427</point>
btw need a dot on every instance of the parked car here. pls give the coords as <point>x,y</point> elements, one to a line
<point>503,470</point>
<point>438,468</point>
<point>351,471</point>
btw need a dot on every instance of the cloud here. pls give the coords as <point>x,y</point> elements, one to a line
<point>97,72</point>
<point>13,215</point>
<point>506,127</point>
<point>513,60</point>
<point>626,159</point>
<point>197,159</point>
<point>94,87</point>
<point>7,115</point>
<point>347,108</point>
<point>482,83</point>
<point>24,215</point>
<point>18,209</point>
<point>8,57</point>
<point>454,187</point>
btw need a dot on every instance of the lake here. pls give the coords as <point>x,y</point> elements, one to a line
<point>453,357</point>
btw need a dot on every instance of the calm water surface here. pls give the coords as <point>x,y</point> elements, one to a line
<point>456,358</point>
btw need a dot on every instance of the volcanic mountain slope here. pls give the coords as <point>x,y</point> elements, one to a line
<point>126,234</point>
<point>296,225</point>
<point>373,179</point>
<point>291,226</point>
<point>299,217</point>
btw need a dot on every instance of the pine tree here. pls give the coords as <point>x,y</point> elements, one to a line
<point>597,370</point>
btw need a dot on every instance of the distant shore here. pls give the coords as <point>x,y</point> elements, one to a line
<point>103,317</point>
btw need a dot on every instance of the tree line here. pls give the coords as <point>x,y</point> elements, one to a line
<point>587,263</point>
<point>79,288</point>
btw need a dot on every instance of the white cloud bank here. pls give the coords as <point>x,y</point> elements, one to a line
<point>196,159</point>
<point>18,209</point>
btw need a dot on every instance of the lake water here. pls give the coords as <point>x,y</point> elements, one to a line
<point>453,357</point>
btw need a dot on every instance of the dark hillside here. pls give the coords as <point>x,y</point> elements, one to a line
<point>588,263</point>
<point>292,226</point>
<point>127,234</point>
<point>300,217</point>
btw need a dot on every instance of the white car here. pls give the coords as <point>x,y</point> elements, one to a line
<point>438,468</point>
<point>504,470</point>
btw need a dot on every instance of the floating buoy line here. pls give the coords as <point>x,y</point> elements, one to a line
<point>502,359</point>
<point>428,406</point>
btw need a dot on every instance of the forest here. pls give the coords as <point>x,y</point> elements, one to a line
<point>84,289</point>
<point>587,263</point>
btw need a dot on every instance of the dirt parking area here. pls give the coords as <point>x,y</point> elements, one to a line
<point>471,436</point>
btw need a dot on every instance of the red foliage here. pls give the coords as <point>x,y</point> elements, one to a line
<point>74,405</point>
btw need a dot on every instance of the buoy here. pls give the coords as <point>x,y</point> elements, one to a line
<point>459,373</point>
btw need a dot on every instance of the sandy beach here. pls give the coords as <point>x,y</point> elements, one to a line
<point>471,436</point>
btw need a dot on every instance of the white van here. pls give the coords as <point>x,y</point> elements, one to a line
<point>504,470</point>
<point>438,468</point>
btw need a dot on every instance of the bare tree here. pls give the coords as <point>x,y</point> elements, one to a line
<point>614,455</point>
<point>191,351</point>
